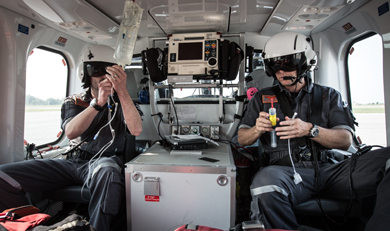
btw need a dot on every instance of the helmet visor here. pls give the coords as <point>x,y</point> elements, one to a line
<point>96,69</point>
<point>285,63</point>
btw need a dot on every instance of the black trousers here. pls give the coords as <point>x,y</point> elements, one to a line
<point>274,191</point>
<point>103,178</point>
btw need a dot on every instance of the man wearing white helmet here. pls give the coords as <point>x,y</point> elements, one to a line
<point>96,123</point>
<point>293,174</point>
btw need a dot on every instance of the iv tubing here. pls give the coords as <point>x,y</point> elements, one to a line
<point>289,148</point>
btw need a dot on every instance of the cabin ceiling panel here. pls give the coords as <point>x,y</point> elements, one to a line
<point>162,17</point>
<point>98,21</point>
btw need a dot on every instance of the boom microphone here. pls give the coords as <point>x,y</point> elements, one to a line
<point>289,78</point>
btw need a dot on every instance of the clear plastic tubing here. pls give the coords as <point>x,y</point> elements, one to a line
<point>273,139</point>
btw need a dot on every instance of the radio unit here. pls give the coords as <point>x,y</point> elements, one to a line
<point>193,54</point>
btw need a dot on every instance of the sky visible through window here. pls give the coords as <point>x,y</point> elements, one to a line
<point>366,71</point>
<point>365,66</point>
<point>46,73</point>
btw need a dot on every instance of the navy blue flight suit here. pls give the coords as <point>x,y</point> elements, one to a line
<point>103,176</point>
<point>273,190</point>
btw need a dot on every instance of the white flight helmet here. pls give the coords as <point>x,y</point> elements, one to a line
<point>93,62</point>
<point>289,51</point>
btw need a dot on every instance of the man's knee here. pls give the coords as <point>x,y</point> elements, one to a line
<point>270,175</point>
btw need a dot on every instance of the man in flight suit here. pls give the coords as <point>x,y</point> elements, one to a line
<point>276,188</point>
<point>96,123</point>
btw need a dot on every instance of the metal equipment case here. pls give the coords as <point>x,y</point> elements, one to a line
<point>165,191</point>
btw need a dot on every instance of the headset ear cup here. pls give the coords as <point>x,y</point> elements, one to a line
<point>85,78</point>
<point>152,63</point>
<point>268,71</point>
<point>224,59</point>
<point>268,74</point>
<point>236,56</point>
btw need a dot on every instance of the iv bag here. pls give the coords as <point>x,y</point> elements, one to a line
<point>128,32</point>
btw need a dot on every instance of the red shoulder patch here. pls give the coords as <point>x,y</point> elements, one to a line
<point>79,102</point>
<point>267,98</point>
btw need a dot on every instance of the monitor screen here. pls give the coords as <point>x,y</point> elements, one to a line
<point>190,51</point>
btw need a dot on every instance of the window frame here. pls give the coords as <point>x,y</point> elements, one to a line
<point>66,91</point>
<point>347,79</point>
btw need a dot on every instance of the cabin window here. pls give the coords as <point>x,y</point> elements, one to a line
<point>365,67</point>
<point>46,87</point>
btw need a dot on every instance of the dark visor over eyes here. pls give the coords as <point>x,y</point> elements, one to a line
<point>285,63</point>
<point>96,69</point>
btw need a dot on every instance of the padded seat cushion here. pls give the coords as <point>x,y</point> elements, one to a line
<point>331,207</point>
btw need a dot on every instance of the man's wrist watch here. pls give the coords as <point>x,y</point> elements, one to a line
<point>94,104</point>
<point>314,131</point>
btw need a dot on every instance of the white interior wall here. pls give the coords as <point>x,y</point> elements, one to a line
<point>334,41</point>
<point>15,48</point>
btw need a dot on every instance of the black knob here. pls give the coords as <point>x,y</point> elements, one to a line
<point>212,62</point>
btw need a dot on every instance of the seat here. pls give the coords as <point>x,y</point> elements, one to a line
<point>333,215</point>
<point>73,194</point>
<point>330,207</point>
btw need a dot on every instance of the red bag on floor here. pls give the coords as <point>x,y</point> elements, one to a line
<point>21,218</point>
<point>18,212</point>
<point>24,223</point>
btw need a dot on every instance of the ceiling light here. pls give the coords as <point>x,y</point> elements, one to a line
<point>310,9</point>
<point>312,16</point>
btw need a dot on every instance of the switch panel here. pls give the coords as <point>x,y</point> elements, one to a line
<point>195,130</point>
<point>205,131</point>
<point>214,132</point>
<point>185,130</point>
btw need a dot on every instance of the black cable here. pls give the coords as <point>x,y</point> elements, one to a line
<point>29,149</point>
<point>40,153</point>
<point>164,141</point>
<point>158,126</point>
<point>316,170</point>
<point>75,147</point>
<point>352,191</point>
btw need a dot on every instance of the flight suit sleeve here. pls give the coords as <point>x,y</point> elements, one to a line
<point>337,115</point>
<point>70,109</point>
<point>254,107</point>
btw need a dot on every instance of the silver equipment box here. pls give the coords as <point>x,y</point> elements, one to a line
<point>165,191</point>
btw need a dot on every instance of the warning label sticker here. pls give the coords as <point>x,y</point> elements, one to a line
<point>152,198</point>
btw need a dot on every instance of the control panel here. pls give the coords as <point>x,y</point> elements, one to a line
<point>208,131</point>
